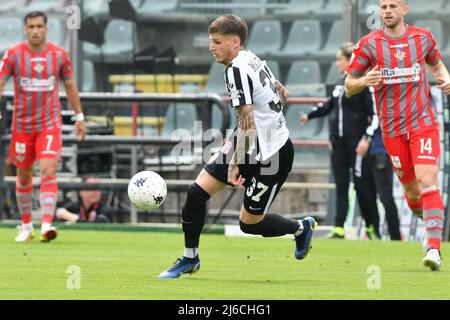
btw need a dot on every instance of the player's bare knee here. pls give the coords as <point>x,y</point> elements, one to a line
<point>47,170</point>
<point>428,180</point>
<point>248,218</point>
<point>25,174</point>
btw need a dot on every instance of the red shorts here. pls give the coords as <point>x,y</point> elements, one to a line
<point>420,147</point>
<point>27,147</point>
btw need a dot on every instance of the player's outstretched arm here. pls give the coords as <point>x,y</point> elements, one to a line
<point>442,76</point>
<point>246,136</point>
<point>74,100</point>
<point>354,85</point>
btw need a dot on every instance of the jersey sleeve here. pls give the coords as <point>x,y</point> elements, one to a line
<point>239,86</point>
<point>6,67</point>
<point>66,72</point>
<point>360,61</point>
<point>433,55</point>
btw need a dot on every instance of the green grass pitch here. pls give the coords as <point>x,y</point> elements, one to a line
<point>125,265</point>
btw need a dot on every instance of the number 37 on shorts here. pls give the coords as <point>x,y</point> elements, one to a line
<point>26,148</point>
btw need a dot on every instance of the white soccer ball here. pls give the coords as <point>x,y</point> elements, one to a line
<point>147,190</point>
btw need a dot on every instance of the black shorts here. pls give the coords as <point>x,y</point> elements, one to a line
<point>263,179</point>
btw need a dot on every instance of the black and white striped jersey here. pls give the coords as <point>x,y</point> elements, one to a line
<point>249,81</point>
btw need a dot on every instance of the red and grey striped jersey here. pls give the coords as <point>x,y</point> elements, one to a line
<point>36,78</point>
<point>402,99</point>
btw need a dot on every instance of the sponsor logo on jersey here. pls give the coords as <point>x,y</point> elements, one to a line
<point>39,68</point>
<point>21,148</point>
<point>422,157</point>
<point>431,224</point>
<point>37,85</point>
<point>400,55</point>
<point>401,75</point>
<point>399,45</point>
<point>396,162</point>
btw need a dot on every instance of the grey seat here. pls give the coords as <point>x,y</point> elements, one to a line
<point>180,116</point>
<point>56,31</point>
<point>216,82</point>
<point>333,8</point>
<point>180,122</point>
<point>100,8</point>
<point>334,41</point>
<point>304,38</point>
<point>154,7</point>
<point>44,6</point>
<point>423,8</point>
<point>296,7</point>
<point>118,46</point>
<point>333,75</point>
<point>435,27</point>
<point>297,131</point>
<point>265,37</point>
<point>89,79</point>
<point>314,90</point>
<point>12,5</point>
<point>304,72</point>
<point>274,66</point>
<point>10,32</point>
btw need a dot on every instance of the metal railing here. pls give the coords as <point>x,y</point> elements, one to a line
<point>211,99</point>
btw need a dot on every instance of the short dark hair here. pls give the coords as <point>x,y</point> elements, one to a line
<point>230,24</point>
<point>35,14</point>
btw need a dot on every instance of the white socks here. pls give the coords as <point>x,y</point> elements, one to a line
<point>300,229</point>
<point>190,253</point>
<point>45,226</point>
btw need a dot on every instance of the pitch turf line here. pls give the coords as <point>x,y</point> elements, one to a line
<point>124,265</point>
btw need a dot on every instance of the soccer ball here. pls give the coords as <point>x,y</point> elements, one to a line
<point>147,190</point>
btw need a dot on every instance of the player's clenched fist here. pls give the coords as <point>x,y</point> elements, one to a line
<point>373,77</point>
<point>444,85</point>
<point>80,127</point>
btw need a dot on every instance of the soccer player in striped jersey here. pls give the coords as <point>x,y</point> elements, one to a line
<point>36,66</point>
<point>397,56</point>
<point>259,155</point>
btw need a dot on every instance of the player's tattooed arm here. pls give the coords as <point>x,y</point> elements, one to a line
<point>246,136</point>
<point>442,76</point>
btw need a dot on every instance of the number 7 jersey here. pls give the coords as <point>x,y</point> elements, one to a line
<point>249,81</point>
<point>37,77</point>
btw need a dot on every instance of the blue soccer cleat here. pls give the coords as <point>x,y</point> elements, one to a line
<point>181,266</point>
<point>303,241</point>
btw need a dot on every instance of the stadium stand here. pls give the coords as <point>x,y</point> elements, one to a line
<point>12,5</point>
<point>333,75</point>
<point>304,72</point>
<point>436,29</point>
<point>265,38</point>
<point>56,32</point>
<point>296,7</point>
<point>304,38</point>
<point>8,32</point>
<point>333,42</point>
<point>89,78</point>
<point>215,79</point>
<point>154,7</point>
<point>118,46</point>
<point>48,6</point>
